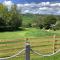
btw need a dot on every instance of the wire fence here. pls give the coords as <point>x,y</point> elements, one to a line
<point>43,46</point>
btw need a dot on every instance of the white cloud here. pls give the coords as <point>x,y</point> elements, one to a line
<point>58,12</point>
<point>45,3</point>
<point>8,4</point>
<point>26,11</point>
<point>19,5</point>
<point>26,4</point>
<point>55,4</point>
<point>41,8</point>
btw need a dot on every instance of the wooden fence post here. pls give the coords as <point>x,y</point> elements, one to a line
<point>54,44</point>
<point>27,50</point>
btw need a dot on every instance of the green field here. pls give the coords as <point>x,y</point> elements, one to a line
<point>41,41</point>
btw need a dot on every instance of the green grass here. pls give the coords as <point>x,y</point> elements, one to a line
<point>12,35</point>
<point>12,42</point>
<point>38,33</point>
<point>28,32</point>
<point>41,33</point>
<point>36,57</point>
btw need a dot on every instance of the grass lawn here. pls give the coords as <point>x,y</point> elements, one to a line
<point>36,57</point>
<point>41,41</point>
<point>28,32</point>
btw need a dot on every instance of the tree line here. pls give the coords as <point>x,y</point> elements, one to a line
<point>42,21</point>
<point>12,19</point>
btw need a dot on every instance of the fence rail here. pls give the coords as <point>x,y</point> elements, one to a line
<point>47,46</point>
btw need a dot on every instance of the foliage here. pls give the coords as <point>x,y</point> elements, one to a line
<point>49,21</point>
<point>40,21</point>
<point>57,25</point>
<point>10,19</point>
<point>15,22</point>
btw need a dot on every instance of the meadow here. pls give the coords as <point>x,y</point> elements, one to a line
<point>41,41</point>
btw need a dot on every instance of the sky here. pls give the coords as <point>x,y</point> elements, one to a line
<point>30,1</point>
<point>35,6</point>
<point>36,1</point>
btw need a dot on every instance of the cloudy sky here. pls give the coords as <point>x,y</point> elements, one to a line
<point>30,1</point>
<point>35,6</point>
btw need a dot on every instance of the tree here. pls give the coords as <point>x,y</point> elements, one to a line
<point>2,22</point>
<point>3,9</point>
<point>16,20</point>
<point>49,20</point>
<point>39,21</point>
<point>10,19</point>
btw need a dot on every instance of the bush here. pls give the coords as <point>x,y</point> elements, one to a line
<point>57,25</point>
<point>15,22</point>
<point>2,24</point>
